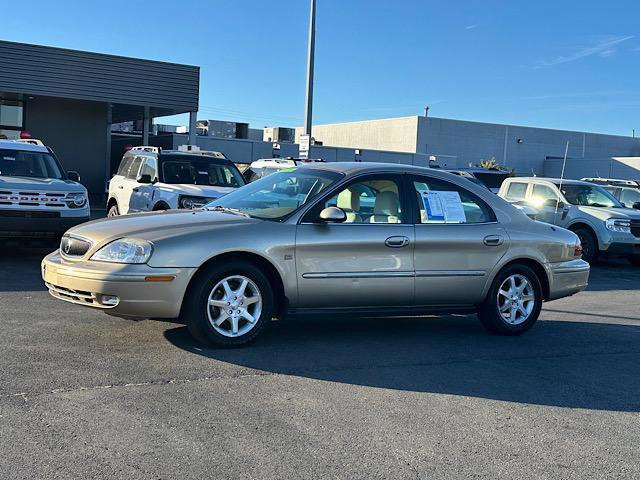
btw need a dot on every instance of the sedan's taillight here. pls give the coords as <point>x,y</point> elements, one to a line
<point>577,252</point>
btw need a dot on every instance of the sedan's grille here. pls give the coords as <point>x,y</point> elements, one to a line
<point>74,246</point>
<point>635,228</point>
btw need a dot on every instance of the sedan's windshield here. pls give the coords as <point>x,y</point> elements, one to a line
<point>20,163</point>
<point>589,196</point>
<point>200,171</point>
<point>277,195</point>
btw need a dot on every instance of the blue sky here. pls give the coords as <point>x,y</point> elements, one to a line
<point>557,64</point>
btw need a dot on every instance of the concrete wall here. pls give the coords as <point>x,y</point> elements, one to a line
<point>246,151</point>
<point>458,143</point>
<point>619,167</point>
<point>77,132</point>
<point>391,134</point>
<point>464,142</point>
<point>239,150</point>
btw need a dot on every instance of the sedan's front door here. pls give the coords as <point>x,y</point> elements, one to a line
<point>367,261</point>
<point>458,243</point>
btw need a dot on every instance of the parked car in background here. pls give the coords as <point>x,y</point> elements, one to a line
<point>299,241</point>
<point>151,179</point>
<point>629,197</point>
<point>604,225</point>
<point>492,179</point>
<point>266,166</point>
<point>613,181</point>
<point>38,198</point>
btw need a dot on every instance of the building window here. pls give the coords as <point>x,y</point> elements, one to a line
<point>11,118</point>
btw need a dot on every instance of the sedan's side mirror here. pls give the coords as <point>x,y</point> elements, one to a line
<point>333,215</point>
<point>636,205</point>
<point>144,178</point>
<point>73,176</point>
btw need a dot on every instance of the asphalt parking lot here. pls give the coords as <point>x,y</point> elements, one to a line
<point>85,395</point>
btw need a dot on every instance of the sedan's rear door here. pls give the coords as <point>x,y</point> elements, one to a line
<point>458,243</point>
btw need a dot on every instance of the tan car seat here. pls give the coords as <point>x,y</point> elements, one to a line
<point>386,209</point>
<point>349,201</point>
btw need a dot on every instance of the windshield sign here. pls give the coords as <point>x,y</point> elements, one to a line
<point>276,196</point>
<point>17,163</point>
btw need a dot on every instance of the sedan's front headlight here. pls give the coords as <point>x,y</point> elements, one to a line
<point>620,225</point>
<point>125,250</point>
<point>76,200</point>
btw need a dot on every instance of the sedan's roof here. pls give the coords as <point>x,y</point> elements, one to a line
<point>355,167</point>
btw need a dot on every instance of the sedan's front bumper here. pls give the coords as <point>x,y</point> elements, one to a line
<point>135,291</point>
<point>567,278</point>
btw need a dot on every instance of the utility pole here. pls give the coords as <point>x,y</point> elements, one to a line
<point>308,112</point>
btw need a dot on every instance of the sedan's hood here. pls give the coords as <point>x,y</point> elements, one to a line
<point>197,190</point>
<point>39,184</point>
<point>604,213</point>
<point>154,226</point>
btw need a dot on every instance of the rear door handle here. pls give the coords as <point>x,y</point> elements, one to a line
<point>493,240</point>
<point>397,241</point>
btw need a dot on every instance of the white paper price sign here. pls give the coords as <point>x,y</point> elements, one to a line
<point>443,207</point>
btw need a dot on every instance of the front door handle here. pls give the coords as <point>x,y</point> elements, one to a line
<point>397,241</point>
<point>493,240</point>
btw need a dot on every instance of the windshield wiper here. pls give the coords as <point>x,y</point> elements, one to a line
<point>233,211</point>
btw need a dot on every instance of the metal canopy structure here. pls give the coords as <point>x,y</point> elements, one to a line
<point>130,85</point>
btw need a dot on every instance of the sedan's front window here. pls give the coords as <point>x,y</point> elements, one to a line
<point>589,196</point>
<point>278,195</point>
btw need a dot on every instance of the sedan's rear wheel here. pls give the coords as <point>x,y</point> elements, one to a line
<point>229,304</point>
<point>514,301</point>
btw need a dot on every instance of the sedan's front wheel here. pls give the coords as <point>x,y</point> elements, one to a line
<point>229,304</point>
<point>514,301</point>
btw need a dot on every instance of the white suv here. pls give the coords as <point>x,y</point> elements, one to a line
<point>150,178</point>
<point>38,199</point>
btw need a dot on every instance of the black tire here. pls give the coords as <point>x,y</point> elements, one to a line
<point>634,260</point>
<point>489,314</point>
<point>113,211</point>
<point>589,243</point>
<point>160,207</point>
<point>195,311</point>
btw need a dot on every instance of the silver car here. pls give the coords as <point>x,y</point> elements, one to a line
<point>603,224</point>
<point>323,238</point>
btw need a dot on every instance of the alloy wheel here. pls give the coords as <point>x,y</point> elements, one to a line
<point>516,299</point>
<point>234,306</point>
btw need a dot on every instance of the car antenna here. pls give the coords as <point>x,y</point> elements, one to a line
<point>533,172</point>
<point>564,163</point>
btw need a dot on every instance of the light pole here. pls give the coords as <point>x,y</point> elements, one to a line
<point>308,111</point>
